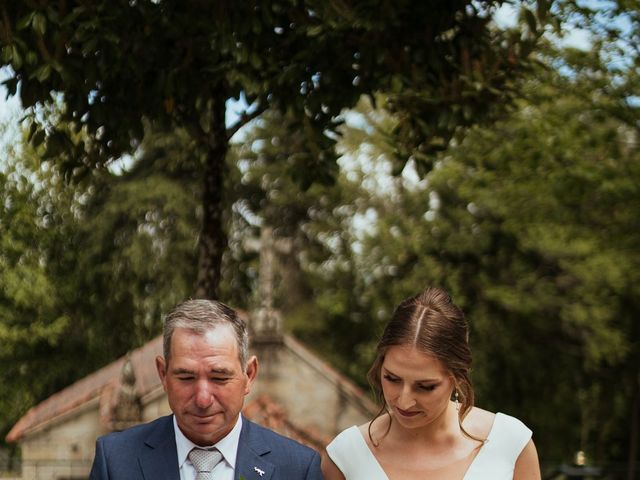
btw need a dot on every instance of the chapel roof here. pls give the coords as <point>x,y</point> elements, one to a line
<point>89,389</point>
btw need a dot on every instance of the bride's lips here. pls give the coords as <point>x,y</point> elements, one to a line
<point>406,413</point>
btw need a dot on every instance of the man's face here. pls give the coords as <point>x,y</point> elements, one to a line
<point>205,382</point>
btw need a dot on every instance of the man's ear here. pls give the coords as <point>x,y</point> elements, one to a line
<point>161,367</point>
<point>252,372</point>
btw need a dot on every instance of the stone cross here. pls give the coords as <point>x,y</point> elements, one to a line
<point>266,320</point>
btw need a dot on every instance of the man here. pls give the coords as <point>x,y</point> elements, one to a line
<point>206,374</point>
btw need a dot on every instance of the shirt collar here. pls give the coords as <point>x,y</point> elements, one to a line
<point>228,445</point>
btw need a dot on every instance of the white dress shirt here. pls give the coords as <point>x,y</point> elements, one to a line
<point>228,446</point>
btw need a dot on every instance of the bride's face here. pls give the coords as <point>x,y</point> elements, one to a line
<point>416,386</point>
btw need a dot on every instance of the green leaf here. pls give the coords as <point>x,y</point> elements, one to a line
<point>42,73</point>
<point>314,31</point>
<point>39,23</point>
<point>16,58</point>
<point>6,54</point>
<point>25,21</point>
<point>396,84</point>
<point>32,58</point>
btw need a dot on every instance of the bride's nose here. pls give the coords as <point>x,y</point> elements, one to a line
<point>406,399</point>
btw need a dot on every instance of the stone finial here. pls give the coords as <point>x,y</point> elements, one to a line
<point>127,410</point>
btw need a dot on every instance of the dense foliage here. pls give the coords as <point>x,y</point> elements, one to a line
<point>441,63</point>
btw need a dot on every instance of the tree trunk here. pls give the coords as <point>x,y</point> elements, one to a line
<point>213,240</point>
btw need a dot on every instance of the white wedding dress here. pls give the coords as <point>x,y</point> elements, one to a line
<point>495,460</point>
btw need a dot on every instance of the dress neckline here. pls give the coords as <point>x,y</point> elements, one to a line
<point>470,468</point>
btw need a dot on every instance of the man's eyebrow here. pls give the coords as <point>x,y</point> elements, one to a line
<point>214,370</point>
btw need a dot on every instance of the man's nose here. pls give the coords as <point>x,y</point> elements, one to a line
<point>204,396</point>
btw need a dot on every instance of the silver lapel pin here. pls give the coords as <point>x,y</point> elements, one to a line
<point>260,472</point>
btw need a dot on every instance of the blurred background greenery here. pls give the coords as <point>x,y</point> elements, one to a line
<point>462,144</point>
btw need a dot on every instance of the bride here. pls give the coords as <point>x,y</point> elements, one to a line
<point>428,426</point>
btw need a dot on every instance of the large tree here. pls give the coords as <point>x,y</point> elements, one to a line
<point>442,64</point>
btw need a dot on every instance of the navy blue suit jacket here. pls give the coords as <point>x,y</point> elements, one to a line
<point>149,452</point>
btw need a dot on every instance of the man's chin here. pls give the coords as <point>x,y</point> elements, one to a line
<point>204,434</point>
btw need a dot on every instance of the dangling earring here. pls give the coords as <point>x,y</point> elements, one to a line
<point>456,400</point>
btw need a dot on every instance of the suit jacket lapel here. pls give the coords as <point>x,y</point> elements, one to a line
<point>250,462</point>
<point>159,461</point>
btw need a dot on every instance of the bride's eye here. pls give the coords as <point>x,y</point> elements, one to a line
<point>428,388</point>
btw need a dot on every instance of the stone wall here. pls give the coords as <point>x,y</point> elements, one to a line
<point>312,394</point>
<point>64,449</point>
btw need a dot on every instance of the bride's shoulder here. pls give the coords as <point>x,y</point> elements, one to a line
<point>375,429</point>
<point>478,422</point>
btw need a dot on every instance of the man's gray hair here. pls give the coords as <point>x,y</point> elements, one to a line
<point>200,316</point>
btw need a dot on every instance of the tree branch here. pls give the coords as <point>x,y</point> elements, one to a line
<point>42,48</point>
<point>60,47</point>
<point>244,119</point>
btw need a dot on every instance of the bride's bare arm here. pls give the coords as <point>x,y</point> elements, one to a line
<point>527,466</point>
